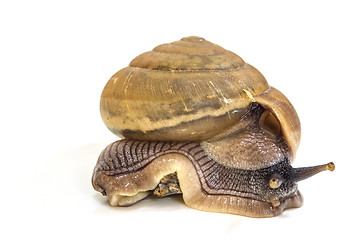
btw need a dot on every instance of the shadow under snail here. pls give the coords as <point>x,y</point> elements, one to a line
<point>199,121</point>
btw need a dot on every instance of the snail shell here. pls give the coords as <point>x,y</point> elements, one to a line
<point>181,90</point>
<point>198,120</point>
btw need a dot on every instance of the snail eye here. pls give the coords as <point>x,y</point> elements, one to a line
<point>274,182</point>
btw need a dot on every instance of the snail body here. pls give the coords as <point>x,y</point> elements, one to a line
<point>199,121</point>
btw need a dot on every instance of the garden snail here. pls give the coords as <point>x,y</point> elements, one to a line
<point>199,121</point>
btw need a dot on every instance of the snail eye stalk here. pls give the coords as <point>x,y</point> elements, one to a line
<point>274,182</point>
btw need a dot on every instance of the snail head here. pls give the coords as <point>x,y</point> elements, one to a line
<point>282,183</point>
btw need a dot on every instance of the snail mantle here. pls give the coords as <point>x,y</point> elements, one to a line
<point>197,120</point>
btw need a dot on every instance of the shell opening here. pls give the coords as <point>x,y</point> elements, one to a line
<point>270,123</point>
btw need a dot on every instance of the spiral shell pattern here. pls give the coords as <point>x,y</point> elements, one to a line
<point>187,90</point>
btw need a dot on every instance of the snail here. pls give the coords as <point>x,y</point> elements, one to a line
<point>197,120</point>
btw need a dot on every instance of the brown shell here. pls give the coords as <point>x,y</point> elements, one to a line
<point>190,90</point>
<point>179,92</point>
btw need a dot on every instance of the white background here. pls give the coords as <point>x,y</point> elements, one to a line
<point>55,58</point>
